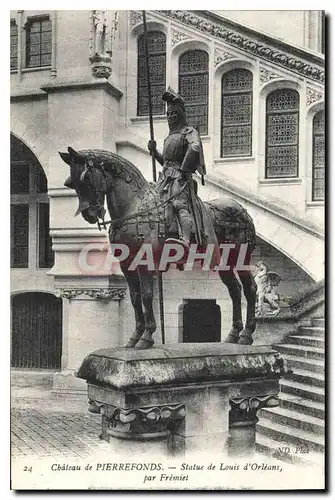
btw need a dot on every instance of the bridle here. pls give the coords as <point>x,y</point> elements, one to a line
<point>92,163</point>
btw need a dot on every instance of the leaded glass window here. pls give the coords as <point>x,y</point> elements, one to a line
<point>13,44</point>
<point>157,68</point>
<point>318,182</point>
<point>193,88</point>
<point>282,134</point>
<point>236,113</point>
<point>38,43</point>
<point>31,244</point>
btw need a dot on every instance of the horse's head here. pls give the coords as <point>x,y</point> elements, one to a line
<point>88,179</point>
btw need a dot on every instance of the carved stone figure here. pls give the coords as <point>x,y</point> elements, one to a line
<point>267,283</point>
<point>99,22</point>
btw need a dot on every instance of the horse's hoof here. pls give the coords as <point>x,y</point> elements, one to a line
<point>231,339</point>
<point>245,340</point>
<point>132,342</point>
<point>144,344</point>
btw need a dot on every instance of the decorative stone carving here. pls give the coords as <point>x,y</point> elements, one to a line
<point>101,67</point>
<point>100,28</point>
<point>222,55</point>
<point>235,39</point>
<point>266,75</point>
<point>69,293</point>
<point>135,17</point>
<point>313,96</point>
<point>147,422</point>
<point>101,44</point>
<point>266,282</point>
<point>242,422</point>
<point>178,36</point>
<point>250,404</point>
<point>114,293</point>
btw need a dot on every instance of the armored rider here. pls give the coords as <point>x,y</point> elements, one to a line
<point>182,156</point>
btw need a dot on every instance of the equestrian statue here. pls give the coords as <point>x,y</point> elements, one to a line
<point>168,211</point>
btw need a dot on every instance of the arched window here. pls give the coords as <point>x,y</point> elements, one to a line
<point>193,87</point>
<point>282,134</point>
<point>318,183</point>
<point>236,113</point>
<point>30,240</point>
<point>157,67</point>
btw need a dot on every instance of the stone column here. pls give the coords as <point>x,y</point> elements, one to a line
<point>93,319</point>
<point>242,423</point>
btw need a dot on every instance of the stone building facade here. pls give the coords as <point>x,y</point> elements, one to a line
<point>77,80</point>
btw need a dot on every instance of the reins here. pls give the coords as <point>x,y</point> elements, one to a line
<point>136,214</point>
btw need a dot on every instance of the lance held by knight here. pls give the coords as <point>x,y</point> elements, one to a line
<point>183,156</point>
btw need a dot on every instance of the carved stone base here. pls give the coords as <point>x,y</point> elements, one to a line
<point>192,397</point>
<point>101,65</point>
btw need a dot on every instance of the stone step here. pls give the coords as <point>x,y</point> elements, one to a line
<point>306,340</point>
<point>311,365</point>
<point>285,452</point>
<point>307,377</point>
<point>302,405</point>
<point>311,331</point>
<point>302,390</point>
<point>300,350</point>
<point>305,440</point>
<point>31,378</point>
<point>294,418</point>
<point>318,321</point>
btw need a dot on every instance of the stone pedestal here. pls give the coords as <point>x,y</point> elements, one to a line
<point>188,397</point>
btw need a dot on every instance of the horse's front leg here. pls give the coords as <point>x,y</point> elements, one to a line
<point>147,289</point>
<point>234,289</point>
<point>250,292</point>
<point>134,285</point>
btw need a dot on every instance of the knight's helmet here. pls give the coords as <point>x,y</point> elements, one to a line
<point>175,102</point>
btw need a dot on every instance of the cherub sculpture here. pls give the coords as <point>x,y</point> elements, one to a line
<point>266,282</point>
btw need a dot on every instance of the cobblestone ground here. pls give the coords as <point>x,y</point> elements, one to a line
<point>46,427</point>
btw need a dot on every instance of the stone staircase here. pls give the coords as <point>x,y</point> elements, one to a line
<point>294,430</point>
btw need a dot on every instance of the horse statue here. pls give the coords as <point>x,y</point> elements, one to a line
<point>138,216</point>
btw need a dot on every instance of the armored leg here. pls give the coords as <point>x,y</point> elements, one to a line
<point>180,207</point>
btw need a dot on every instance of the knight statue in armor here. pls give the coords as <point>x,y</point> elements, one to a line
<point>183,156</point>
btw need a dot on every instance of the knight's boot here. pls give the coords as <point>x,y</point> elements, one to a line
<point>185,224</point>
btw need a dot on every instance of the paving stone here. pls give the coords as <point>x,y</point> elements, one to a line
<point>53,432</point>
